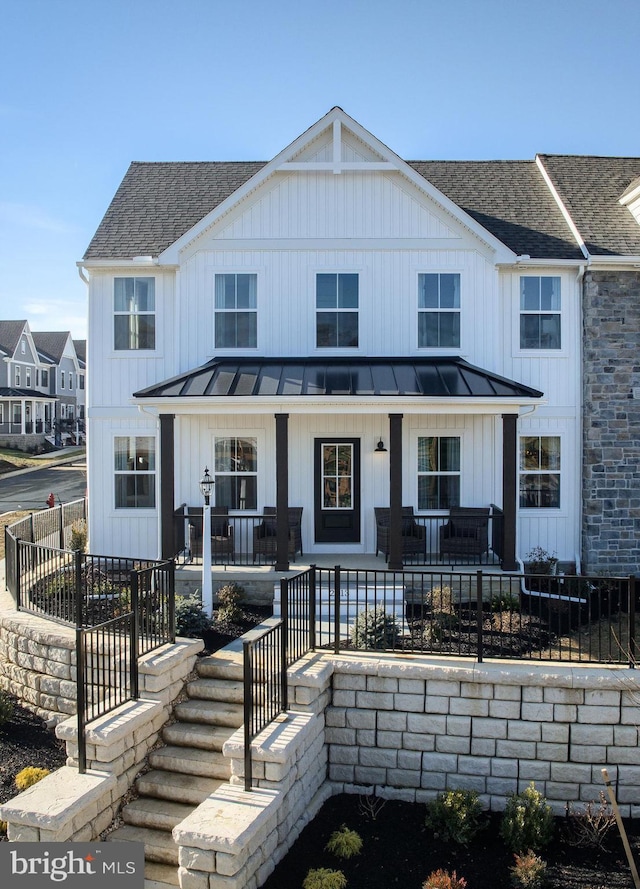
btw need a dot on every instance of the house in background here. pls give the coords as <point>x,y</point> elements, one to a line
<point>274,321</point>
<point>66,381</point>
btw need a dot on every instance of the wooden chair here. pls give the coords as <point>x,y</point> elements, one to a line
<point>466,534</point>
<point>414,536</point>
<point>265,534</point>
<point>222,539</point>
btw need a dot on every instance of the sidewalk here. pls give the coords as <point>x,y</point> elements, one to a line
<point>69,455</point>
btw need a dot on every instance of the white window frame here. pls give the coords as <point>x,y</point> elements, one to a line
<point>81,382</point>
<point>45,378</point>
<point>545,350</point>
<point>17,376</point>
<point>542,510</point>
<point>70,380</point>
<point>23,346</point>
<point>243,434</point>
<point>135,510</point>
<point>220,273</point>
<point>119,313</point>
<point>27,377</point>
<point>439,434</point>
<point>439,310</point>
<point>16,411</point>
<point>62,379</point>
<point>345,310</point>
<point>1,412</point>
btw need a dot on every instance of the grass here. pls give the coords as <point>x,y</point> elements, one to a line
<point>10,460</point>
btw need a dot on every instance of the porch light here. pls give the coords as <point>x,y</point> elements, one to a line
<point>380,448</point>
<point>206,485</point>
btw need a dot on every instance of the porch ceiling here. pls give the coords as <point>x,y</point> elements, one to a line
<point>354,377</point>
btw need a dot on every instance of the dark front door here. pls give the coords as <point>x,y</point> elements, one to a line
<point>337,490</point>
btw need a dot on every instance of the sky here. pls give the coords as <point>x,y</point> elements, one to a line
<point>87,86</point>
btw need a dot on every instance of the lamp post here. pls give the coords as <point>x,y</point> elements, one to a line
<point>206,487</point>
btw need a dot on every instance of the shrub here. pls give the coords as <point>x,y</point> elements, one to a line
<point>323,878</point>
<point>229,596</point>
<point>374,629</point>
<point>440,600</point>
<point>504,601</point>
<point>528,872</point>
<point>191,620</point>
<point>344,843</point>
<point>3,828</point>
<point>30,776</point>
<point>6,708</point>
<point>590,826</point>
<point>79,535</point>
<point>370,805</point>
<point>527,821</point>
<point>442,879</point>
<point>539,561</point>
<point>455,815</point>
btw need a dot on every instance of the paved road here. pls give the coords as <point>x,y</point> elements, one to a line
<point>31,489</point>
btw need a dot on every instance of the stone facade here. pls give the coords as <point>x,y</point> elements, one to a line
<point>611,423</point>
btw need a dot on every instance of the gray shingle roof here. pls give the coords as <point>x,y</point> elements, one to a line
<point>590,188</point>
<point>10,332</point>
<point>51,343</point>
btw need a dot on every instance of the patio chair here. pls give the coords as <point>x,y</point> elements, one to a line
<point>466,534</point>
<point>222,540</point>
<point>414,537</point>
<point>265,534</point>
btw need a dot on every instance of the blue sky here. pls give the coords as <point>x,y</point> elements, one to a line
<point>86,86</point>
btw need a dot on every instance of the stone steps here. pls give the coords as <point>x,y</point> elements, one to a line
<point>158,844</point>
<point>228,690</point>
<point>204,736</point>
<point>160,876</point>
<point>222,665</point>
<point>210,713</point>
<point>192,789</point>
<point>158,814</point>
<point>189,761</point>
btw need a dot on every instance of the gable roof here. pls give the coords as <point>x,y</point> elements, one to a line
<point>51,343</point>
<point>10,333</point>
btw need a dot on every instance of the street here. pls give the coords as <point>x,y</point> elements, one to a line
<point>31,489</point>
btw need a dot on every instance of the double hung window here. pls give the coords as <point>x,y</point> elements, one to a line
<point>135,472</point>
<point>438,471</point>
<point>134,320</point>
<point>540,471</point>
<point>235,311</point>
<point>18,375</point>
<point>236,472</point>
<point>439,310</point>
<point>336,310</point>
<point>540,315</point>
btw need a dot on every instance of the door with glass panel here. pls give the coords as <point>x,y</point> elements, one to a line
<point>337,490</point>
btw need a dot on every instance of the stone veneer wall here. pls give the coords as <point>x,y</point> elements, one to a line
<point>611,422</point>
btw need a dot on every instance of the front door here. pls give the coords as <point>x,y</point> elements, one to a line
<point>337,490</point>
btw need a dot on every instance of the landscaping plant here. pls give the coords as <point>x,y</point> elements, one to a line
<point>590,826</point>
<point>79,536</point>
<point>229,596</point>
<point>344,843</point>
<point>455,815</point>
<point>529,871</point>
<point>374,629</point>
<point>324,878</point>
<point>30,776</point>
<point>527,821</point>
<point>6,708</point>
<point>442,879</point>
<point>191,620</point>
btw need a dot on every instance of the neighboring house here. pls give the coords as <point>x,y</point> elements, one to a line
<point>274,321</point>
<point>80,347</point>
<point>67,382</point>
<point>27,405</point>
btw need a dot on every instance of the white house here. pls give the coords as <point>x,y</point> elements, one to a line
<point>275,321</point>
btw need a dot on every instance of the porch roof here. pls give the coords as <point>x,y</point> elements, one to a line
<point>445,377</point>
<point>28,394</point>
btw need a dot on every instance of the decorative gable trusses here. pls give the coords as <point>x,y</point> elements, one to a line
<point>630,198</point>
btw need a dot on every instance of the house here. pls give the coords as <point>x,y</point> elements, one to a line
<point>66,381</point>
<point>339,329</point>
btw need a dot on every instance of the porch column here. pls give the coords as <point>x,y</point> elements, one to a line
<point>509,490</point>
<point>167,453</point>
<point>23,417</point>
<point>395,492</point>
<point>282,492</point>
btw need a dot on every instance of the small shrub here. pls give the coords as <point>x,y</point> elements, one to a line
<point>3,828</point>
<point>229,596</point>
<point>374,629</point>
<point>442,879</point>
<point>528,872</point>
<point>370,806</point>
<point>590,826</point>
<point>6,708</point>
<point>324,878</point>
<point>455,815</point>
<point>504,601</point>
<point>527,821</point>
<point>440,599</point>
<point>539,561</point>
<point>79,536</point>
<point>30,776</point>
<point>344,843</point>
<point>191,620</point>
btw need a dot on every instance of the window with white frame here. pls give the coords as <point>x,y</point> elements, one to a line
<point>236,472</point>
<point>62,379</point>
<point>135,471</point>
<point>70,380</point>
<point>236,317</point>
<point>18,375</point>
<point>27,377</point>
<point>23,346</point>
<point>337,310</point>
<point>540,312</point>
<point>81,381</point>
<point>134,321</point>
<point>439,310</point>
<point>540,472</point>
<point>438,471</point>
<point>45,377</point>
<point>16,413</point>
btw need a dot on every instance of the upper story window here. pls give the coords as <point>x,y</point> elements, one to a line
<point>439,310</point>
<point>80,381</point>
<point>236,472</point>
<point>23,346</point>
<point>236,318</point>
<point>45,377</point>
<point>134,321</point>
<point>18,375</point>
<point>540,471</point>
<point>540,305</point>
<point>336,310</point>
<point>70,380</point>
<point>438,471</point>
<point>134,465</point>
<point>27,377</point>
<point>62,379</point>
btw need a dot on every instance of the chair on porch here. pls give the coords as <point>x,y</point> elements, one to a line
<point>414,536</point>
<point>222,540</point>
<point>265,534</point>
<point>466,534</point>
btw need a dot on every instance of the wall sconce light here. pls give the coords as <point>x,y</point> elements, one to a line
<point>380,448</point>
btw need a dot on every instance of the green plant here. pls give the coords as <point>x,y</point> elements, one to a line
<point>6,708</point>
<point>539,561</point>
<point>191,620</point>
<point>504,601</point>
<point>442,879</point>
<point>374,629</point>
<point>527,821</point>
<point>529,871</point>
<point>344,843</point>
<point>590,826</point>
<point>324,878</point>
<point>79,535</point>
<point>30,776</point>
<point>455,815</point>
<point>229,596</point>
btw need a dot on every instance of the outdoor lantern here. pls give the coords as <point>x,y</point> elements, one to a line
<point>206,485</point>
<point>380,448</point>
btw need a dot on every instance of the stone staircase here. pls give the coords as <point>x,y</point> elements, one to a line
<point>188,767</point>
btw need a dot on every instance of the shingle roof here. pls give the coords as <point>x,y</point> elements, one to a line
<point>10,332</point>
<point>51,343</point>
<point>591,188</point>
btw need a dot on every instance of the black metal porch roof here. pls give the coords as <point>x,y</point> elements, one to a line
<point>356,377</point>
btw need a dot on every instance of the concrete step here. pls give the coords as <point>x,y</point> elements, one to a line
<point>158,814</point>
<point>159,876</point>
<point>180,788</point>
<point>192,734</point>
<point>189,761</point>
<point>229,690</point>
<point>158,844</point>
<point>210,713</point>
<point>223,664</point>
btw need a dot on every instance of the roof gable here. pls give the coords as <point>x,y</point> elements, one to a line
<point>10,333</point>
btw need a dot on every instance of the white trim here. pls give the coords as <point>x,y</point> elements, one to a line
<point>563,472</point>
<point>427,351</point>
<point>561,206</point>
<point>444,432</point>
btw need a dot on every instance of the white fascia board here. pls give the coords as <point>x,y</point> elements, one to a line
<point>608,261</point>
<point>561,206</point>
<point>630,196</point>
<point>126,264</point>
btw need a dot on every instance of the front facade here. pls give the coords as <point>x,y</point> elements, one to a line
<point>282,319</point>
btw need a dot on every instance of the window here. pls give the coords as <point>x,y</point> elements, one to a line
<point>134,323</point>
<point>70,380</point>
<point>236,472</point>
<point>17,375</point>
<point>439,310</point>
<point>1,413</point>
<point>336,320</point>
<point>23,346</point>
<point>540,472</point>
<point>81,381</point>
<point>45,377</point>
<point>438,472</point>
<point>16,413</point>
<point>62,379</point>
<point>540,305</point>
<point>135,464</point>
<point>337,476</point>
<point>235,315</point>
<point>27,377</point>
